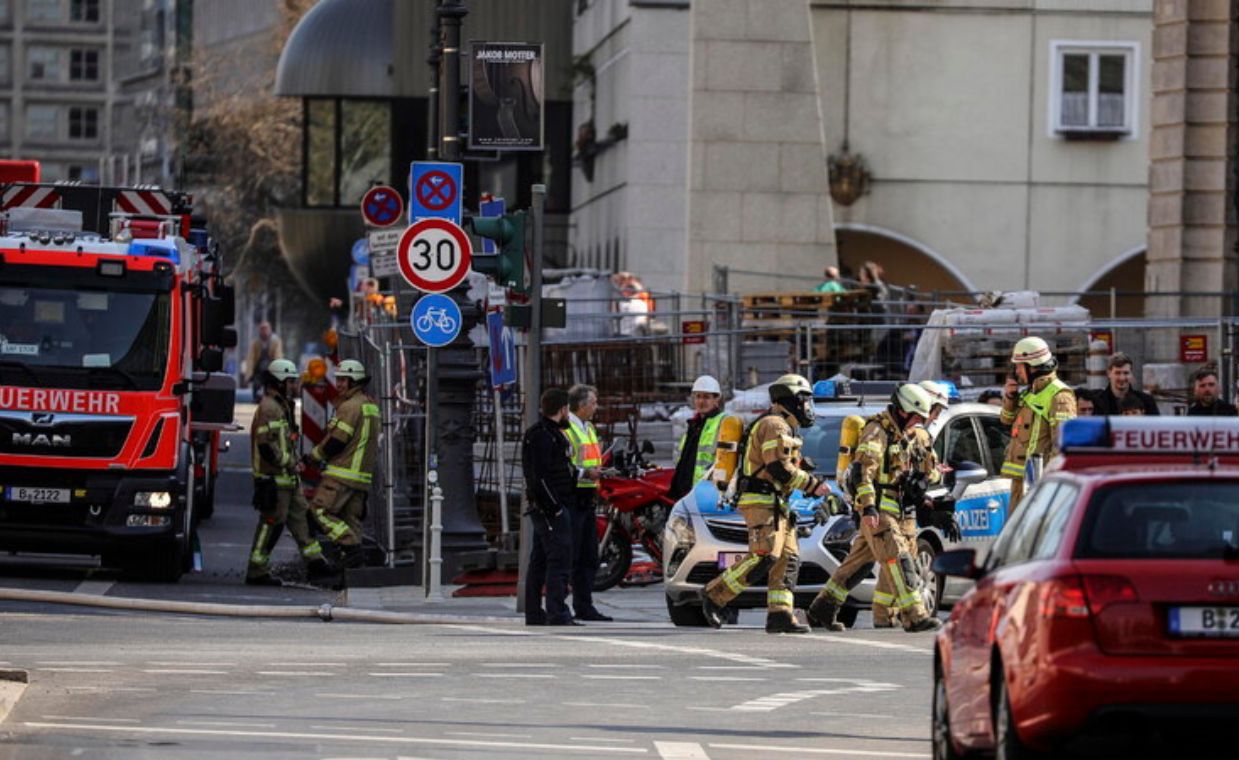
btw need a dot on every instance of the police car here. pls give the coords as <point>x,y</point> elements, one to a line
<point>703,534</point>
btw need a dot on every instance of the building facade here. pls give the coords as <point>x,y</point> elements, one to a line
<point>963,144</point>
<point>59,95</point>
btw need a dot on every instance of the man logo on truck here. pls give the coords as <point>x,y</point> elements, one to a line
<point>42,439</point>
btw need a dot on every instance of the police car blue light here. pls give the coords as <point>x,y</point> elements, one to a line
<point>952,391</point>
<point>825,389</point>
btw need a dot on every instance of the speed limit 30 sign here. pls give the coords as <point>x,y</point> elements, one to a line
<point>434,255</point>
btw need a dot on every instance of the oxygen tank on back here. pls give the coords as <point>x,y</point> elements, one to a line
<point>849,435</point>
<point>727,454</point>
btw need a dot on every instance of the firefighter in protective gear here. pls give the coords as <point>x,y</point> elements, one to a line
<point>346,456</point>
<point>277,495</point>
<point>771,468</point>
<point>712,440</point>
<point>925,463</point>
<point>884,459</point>
<point>1035,412</point>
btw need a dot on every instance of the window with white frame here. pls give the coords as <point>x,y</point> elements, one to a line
<point>1093,88</point>
<point>44,10</point>
<point>44,64</point>
<point>42,122</point>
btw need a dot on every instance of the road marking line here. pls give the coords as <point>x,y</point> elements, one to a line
<point>94,588</point>
<point>331,695</point>
<point>405,675</point>
<point>853,715</point>
<point>239,724</point>
<point>184,672</point>
<point>359,728</point>
<point>622,678</point>
<point>412,664</point>
<point>103,720</point>
<point>332,737</point>
<point>600,739</point>
<point>510,675</point>
<point>724,678</point>
<point>482,701</point>
<point>793,751</point>
<point>783,699</point>
<point>731,667</point>
<point>306,665</point>
<point>628,667</point>
<point>296,673</point>
<point>80,663</point>
<point>226,691</point>
<point>107,688</point>
<point>614,705</point>
<point>681,751</point>
<point>518,665</point>
<point>181,664</point>
<point>488,736</point>
<point>874,643</point>
<point>76,670</point>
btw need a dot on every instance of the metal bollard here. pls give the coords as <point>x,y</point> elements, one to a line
<point>434,590</point>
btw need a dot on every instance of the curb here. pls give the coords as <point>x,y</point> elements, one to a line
<point>324,612</point>
<point>12,685</point>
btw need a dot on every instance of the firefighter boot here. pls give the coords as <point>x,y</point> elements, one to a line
<point>783,621</point>
<point>823,613</point>
<point>926,624</point>
<point>351,555</point>
<point>713,613</point>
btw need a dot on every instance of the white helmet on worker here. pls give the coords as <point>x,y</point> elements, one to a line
<point>1032,351</point>
<point>937,392</point>
<point>910,398</point>
<point>707,384</point>
<point>352,369</point>
<point>282,369</point>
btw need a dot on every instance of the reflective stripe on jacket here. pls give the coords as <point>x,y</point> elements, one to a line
<point>586,452</point>
<point>272,426</point>
<point>356,424</point>
<point>706,444</point>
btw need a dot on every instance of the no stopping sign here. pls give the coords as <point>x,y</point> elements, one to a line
<point>434,255</point>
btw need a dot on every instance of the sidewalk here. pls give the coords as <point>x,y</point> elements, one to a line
<point>644,604</point>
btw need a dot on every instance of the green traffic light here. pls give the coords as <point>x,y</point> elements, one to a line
<point>508,231</point>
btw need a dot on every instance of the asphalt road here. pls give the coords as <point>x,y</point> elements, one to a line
<point>123,685</point>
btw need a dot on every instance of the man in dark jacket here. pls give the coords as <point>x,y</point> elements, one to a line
<point>1109,400</point>
<point>550,483</point>
<point>1205,396</point>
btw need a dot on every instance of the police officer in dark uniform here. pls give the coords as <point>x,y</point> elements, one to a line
<point>550,483</point>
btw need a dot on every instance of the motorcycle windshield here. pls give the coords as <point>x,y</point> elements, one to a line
<point>54,337</point>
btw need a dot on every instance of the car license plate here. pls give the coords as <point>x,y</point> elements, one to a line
<point>1204,621</point>
<point>39,495</point>
<point>727,559</point>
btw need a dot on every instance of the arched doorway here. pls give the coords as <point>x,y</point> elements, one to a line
<point>907,262</point>
<point>1125,274</point>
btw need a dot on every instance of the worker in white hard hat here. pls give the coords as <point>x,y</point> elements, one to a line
<point>1034,402</point>
<point>710,441</point>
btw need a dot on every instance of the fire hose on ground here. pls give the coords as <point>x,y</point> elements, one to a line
<point>325,612</point>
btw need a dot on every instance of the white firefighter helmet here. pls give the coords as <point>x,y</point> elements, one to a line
<point>913,399</point>
<point>1033,351</point>
<point>707,384</point>
<point>282,369</point>
<point>353,370</point>
<point>937,392</point>
<point>795,395</point>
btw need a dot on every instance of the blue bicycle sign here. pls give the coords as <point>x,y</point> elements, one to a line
<point>435,320</point>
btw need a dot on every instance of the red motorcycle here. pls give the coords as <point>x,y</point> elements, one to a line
<point>634,509</point>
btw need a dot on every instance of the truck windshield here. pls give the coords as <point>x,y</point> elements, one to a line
<point>58,338</point>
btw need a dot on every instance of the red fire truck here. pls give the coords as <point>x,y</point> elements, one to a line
<point>113,322</point>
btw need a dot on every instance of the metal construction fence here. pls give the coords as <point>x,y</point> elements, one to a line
<point>643,366</point>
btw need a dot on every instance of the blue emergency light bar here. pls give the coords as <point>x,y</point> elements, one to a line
<point>1151,435</point>
<point>159,248</point>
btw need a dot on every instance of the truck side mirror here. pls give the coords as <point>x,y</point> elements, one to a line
<point>227,296</point>
<point>211,359</point>
<point>228,337</point>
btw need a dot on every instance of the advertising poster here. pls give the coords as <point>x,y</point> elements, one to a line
<point>505,96</point>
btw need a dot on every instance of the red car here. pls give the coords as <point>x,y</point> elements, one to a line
<point>1108,610</point>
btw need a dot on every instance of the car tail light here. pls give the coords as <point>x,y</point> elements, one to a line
<point>1064,598</point>
<point>1105,590</point>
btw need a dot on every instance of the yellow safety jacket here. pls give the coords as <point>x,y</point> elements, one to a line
<point>709,447</point>
<point>586,452</point>
<point>356,425</point>
<point>1034,417</point>
<point>884,454</point>
<point>273,426</point>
